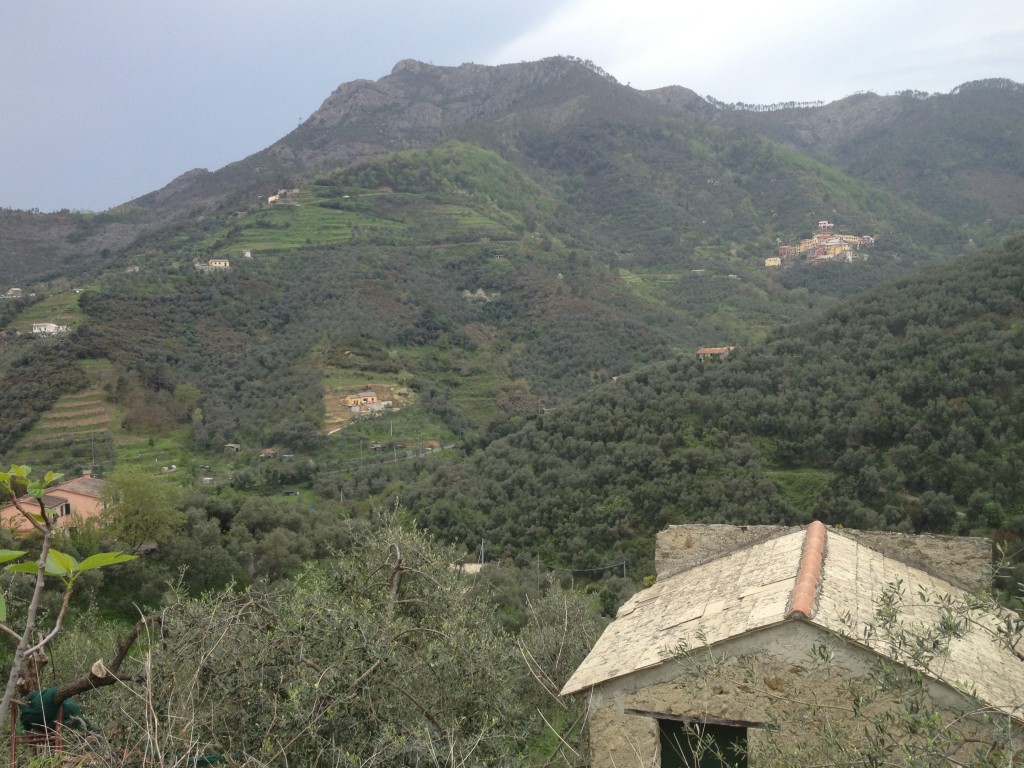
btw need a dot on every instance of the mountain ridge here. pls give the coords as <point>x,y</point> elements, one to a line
<point>417,105</point>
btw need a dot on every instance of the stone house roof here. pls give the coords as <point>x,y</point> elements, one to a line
<point>715,350</point>
<point>828,578</point>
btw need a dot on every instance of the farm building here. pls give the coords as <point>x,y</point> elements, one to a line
<point>760,644</point>
<point>362,398</point>
<point>714,353</point>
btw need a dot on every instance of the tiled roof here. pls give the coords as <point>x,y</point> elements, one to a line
<point>855,576</point>
<point>731,596</point>
<point>831,581</point>
<point>85,485</point>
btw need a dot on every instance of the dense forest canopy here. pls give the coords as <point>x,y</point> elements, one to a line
<point>899,409</point>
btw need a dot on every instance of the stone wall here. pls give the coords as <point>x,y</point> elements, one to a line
<point>965,562</point>
<point>769,680</point>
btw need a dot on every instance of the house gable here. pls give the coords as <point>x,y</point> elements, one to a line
<point>762,681</point>
<point>770,603</point>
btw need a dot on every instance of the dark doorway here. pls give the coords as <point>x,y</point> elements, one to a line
<point>702,745</point>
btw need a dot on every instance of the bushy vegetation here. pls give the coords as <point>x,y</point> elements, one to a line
<point>898,410</point>
<point>370,648</point>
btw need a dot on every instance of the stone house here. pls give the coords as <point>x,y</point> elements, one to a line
<point>76,499</point>
<point>756,641</point>
<point>713,353</point>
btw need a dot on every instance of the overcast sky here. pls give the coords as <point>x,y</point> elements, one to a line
<point>105,100</point>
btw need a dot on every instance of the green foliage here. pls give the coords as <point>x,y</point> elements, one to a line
<point>29,654</point>
<point>505,272</point>
<point>32,382</point>
<point>381,655</point>
<point>67,569</point>
<point>801,487</point>
<point>895,410</point>
<point>140,507</point>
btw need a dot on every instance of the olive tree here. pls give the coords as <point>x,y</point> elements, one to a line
<point>382,655</point>
<point>139,507</point>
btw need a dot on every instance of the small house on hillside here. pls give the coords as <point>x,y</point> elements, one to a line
<point>756,640</point>
<point>361,398</point>
<point>13,293</point>
<point>213,265</point>
<point>79,498</point>
<point>713,353</point>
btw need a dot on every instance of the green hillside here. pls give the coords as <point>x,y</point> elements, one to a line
<point>495,262</point>
<point>468,301</point>
<point>447,269</point>
<point>955,155</point>
<point>899,409</point>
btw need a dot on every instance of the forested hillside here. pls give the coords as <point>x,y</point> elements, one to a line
<point>646,173</point>
<point>484,244</point>
<point>899,409</point>
<point>464,305</point>
<point>448,271</point>
<point>956,155</point>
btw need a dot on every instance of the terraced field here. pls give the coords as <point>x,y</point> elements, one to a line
<point>82,431</point>
<point>306,219</point>
<point>77,433</point>
<point>60,308</point>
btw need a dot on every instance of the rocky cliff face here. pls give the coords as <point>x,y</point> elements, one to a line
<point>415,105</point>
<point>420,104</point>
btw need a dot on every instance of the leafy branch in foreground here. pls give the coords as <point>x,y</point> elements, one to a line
<point>28,495</point>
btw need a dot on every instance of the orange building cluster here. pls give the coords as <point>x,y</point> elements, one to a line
<point>825,246</point>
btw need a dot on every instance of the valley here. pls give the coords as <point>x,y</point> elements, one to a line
<point>390,413</point>
<point>480,276</point>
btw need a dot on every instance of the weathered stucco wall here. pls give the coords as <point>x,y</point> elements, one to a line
<point>769,677</point>
<point>742,680</point>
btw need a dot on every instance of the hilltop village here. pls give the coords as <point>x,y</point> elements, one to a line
<point>824,246</point>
